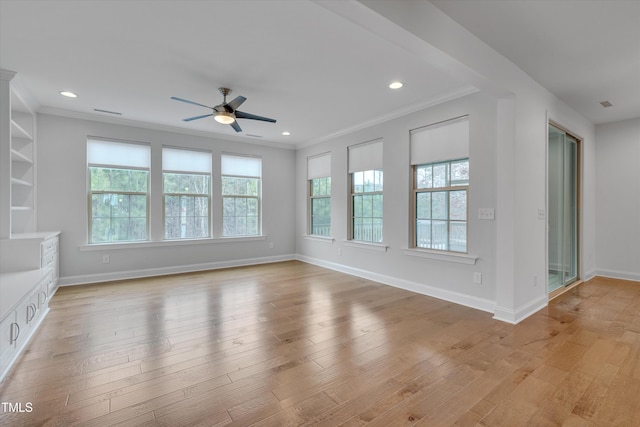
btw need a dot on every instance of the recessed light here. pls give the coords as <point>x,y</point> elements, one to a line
<point>68,94</point>
<point>396,85</point>
<point>286,133</point>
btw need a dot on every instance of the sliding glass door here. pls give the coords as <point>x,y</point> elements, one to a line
<point>563,170</point>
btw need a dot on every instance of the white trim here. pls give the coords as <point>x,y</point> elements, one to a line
<point>589,275</point>
<point>162,271</point>
<point>518,315</point>
<point>322,239</point>
<point>381,247</point>
<point>442,256</point>
<point>165,243</point>
<point>615,274</point>
<point>450,96</point>
<point>420,288</point>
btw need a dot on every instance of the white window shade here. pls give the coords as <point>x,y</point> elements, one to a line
<point>241,166</point>
<point>366,156</point>
<point>442,141</point>
<point>123,154</point>
<point>319,166</point>
<point>179,160</point>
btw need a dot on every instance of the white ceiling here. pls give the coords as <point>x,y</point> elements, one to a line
<point>583,51</point>
<point>313,70</point>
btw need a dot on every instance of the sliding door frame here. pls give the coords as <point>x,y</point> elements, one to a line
<point>578,177</point>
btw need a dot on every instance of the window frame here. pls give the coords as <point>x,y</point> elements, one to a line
<point>258,197</point>
<point>201,164</point>
<point>91,193</point>
<point>311,199</point>
<point>352,196</point>
<point>114,154</point>
<point>193,195</point>
<point>446,189</point>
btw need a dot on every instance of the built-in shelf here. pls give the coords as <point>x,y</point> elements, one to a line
<point>18,131</point>
<point>18,181</point>
<point>17,156</point>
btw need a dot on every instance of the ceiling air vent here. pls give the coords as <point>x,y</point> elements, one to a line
<point>606,104</point>
<point>107,111</point>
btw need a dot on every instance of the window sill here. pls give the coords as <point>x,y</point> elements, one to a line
<point>322,239</point>
<point>442,256</point>
<point>167,243</point>
<point>381,247</point>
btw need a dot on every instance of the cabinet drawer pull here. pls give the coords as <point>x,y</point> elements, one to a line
<point>14,327</point>
<point>31,313</point>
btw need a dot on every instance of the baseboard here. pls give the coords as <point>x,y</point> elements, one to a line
<point>516,316</point>
<point>614,274</point>
<point>589,275</point>
<point>420,288</point>
<point>162,271</point>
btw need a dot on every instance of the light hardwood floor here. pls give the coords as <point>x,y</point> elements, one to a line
<point>293,344</point>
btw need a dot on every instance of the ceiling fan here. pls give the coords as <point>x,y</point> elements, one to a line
<point>226,113</point>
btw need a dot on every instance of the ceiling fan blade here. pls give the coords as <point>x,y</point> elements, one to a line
<point>189,102</point>
<point>241,115</point>
<point>236,127</point>
<point>234,104</point>
<point>197,117</point>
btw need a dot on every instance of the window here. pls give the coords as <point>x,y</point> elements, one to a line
<point>118,191</point>
<point>241,179</point>
<point>441,185</point>
<point>366,179</point>
<point>186,182</point>
<point>441,205</point>
<point>319,176</point>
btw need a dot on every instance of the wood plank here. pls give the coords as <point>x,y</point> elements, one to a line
<point>291,343</point>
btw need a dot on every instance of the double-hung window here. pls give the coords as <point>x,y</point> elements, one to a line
<point>319,178</point>
<point>440,161</point>
<point>241,188</point>
<point>186,180</point>
<point>366,183</point>
<point>118,191</point>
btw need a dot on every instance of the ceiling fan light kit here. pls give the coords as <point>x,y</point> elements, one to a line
<point>224,117</point>
<point>225,113</point>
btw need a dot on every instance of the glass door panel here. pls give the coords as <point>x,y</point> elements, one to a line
<point>562,209</point>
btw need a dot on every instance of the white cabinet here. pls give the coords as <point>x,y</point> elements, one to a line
<point>22,312</point>
<point>29,278</point>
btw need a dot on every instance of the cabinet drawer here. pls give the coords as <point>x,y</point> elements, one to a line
<point>49,245</point>
<point>48,252</point>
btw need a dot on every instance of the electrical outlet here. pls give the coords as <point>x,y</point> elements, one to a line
<point>535,281</point>
<point>339,251</point>
<point>106,259</point>
<point>541,213</point>
<point>477,278</point>
<point>486,213</point>
<point>270,245</point>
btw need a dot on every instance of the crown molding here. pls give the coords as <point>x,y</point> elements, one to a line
<point>158,127</point>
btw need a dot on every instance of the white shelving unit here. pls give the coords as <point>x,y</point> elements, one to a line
<point>29,265</point>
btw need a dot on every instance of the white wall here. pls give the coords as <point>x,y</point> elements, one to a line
<point>62,204</point>
<point>445,279</point>
<point>618,195</point>
<point>523,111</point>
